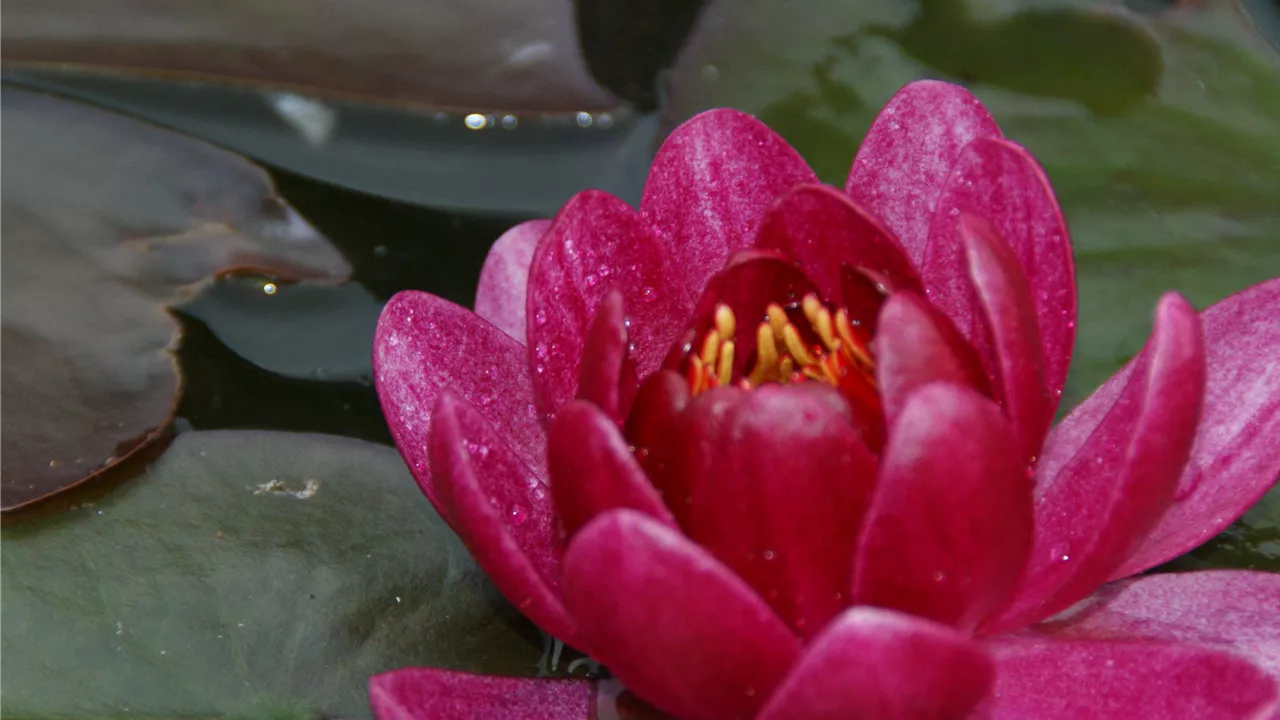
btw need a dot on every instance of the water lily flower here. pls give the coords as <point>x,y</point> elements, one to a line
<point>771,449</point>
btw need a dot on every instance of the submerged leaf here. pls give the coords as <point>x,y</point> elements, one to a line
<point>245,571</point>
<point>105,221</point>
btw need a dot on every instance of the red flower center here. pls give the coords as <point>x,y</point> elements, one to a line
<point>804,341</point>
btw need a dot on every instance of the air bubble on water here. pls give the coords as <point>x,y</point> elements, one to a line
<point>584,119</point>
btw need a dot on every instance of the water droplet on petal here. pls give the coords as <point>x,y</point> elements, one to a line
<point>769,555</point>
<point>540,318</point>
<point>518,515</point>
<point>1060,553</point>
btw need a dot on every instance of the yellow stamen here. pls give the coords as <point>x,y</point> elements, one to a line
<point>777,318</point>
<point>796,347</point>
<point>766,356</point>
<point>851,346</point>
<point>710,348</point>
<point>724,368</point>
<point>726,323</point>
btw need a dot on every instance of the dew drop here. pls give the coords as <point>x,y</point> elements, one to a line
<point>475,121</point>
<point>939,576</point>
<point>540,318</point>
<point>591,280</point>
<point>1060,553</point>
<point>750,691</point>
<point>769,555</point>
<point>518,515</point>
<point>540,350</point>
<point>584,119</point>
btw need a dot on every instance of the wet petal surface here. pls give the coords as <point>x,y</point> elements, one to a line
<point>672,623</point>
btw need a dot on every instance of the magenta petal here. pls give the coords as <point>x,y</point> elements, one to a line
<point>432,694</point>
<point>908,153</point>
<point>501,510</point>
<point>709,186</point>
<point>500,296</point>
<point>875,664</point>
<point>1235,610</point>
<point>1004,300</point>
<point>824,232</point>
<point>675,626</point>
<point>913,349</point>
<point>781,499</point>
<point>1234,460</point>
<point>950,524</point>
<point>1109,470</point>
<point>999,181</point>
<point>424,344</point>
<point>1123,680</point>
<point>596,243</point>
<point>608,376</point>
<point>593,470</point>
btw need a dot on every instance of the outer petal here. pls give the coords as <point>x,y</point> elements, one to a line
<point>708,187</point>
<point>908,153</point>
<point>877,664</point>
<point>1106,477</point>
<point>608,377</point>
<point>914,348</point>
<point>782,496</point>
<point>593,469</point>
<point>1101,680</point>
<point>1001,182</point>
<point>424,344</point>
<point>1236,610</point>
<point>1234,459</point>
<point>824,231</point>
<point>502,512</point>
<point>433,694</point>
<point>500,296</point>
<point>596,243</point>
<point>1004,301</point>
<point>950,526</point>
<point>675,626</point>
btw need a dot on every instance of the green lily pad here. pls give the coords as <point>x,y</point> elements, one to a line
<point>246,572</point>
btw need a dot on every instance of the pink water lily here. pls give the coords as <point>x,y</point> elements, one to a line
<point>770,449</point>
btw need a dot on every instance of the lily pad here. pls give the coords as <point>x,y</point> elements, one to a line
<point>475,55</point>
<point>302,330</point>
<point>245,573</point>
<point>514,163</point>
<point>106,220</point>
<point>1162,141</point>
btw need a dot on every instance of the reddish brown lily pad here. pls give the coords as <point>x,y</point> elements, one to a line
<point>477,55</point>
<point>106,221</point>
